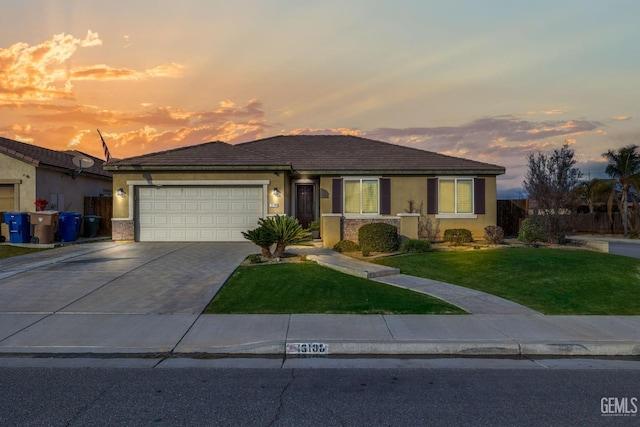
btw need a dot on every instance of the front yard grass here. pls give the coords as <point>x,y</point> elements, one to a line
<point>309,288</point>
<point>553,281</point>
<point>8,251</point>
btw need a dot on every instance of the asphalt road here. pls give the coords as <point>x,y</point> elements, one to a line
<point>312,397</point>
<point>626,249</point>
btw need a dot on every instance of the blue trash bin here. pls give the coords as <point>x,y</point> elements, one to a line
<point>69,225</point>
<point>19,226</point>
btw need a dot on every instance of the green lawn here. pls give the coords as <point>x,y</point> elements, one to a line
<point>310,288</point>
<point>553,281</point>
<point>7,251</point>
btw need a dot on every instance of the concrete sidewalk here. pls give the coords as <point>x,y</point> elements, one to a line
<point>365,335</point>
<point>73,317</point>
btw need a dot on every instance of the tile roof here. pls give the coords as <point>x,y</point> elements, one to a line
<point>210,154</point>
<point>44,157</point>
<point>346,153</point>
<point>309,153</point>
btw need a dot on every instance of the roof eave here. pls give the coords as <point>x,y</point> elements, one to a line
<point>127,168</point>
<point>400,172</point>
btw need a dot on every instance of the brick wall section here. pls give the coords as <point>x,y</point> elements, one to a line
<point>122,230</point>
<point>350,227</point>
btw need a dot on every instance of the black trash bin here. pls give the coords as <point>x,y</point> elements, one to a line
<point>91,225</point>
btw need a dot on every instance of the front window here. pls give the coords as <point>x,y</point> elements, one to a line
<point>456,196</point>
<point>361,196</point>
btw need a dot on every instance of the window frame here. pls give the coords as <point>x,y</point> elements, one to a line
<point>360,179</point>
<point>455,213</point>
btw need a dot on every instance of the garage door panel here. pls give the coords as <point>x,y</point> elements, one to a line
<point>198,213</point>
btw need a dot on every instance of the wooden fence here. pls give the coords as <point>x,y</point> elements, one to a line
<point>102,207</point>
<point>510,215</point>
<point>599,223</point>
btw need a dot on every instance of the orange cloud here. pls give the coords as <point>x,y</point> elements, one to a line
<point>62,127</point>
<point>621,118</point>
<point>330,131</point>
<point>553,112</point>
<point>104,72</point>
<point>37,72</point>
<point>41,73</point>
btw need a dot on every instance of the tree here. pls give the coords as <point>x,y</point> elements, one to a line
<point>593,191</point>
<point>550,181</point>
<point>624,168</point>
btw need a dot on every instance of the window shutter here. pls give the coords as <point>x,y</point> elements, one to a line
<point>479,198</point>
<point>336,195</point>
<point>385,196</point>
<point>432,195</point>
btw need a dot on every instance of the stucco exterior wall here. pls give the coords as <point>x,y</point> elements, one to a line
<point>403,190</point>
<point>25,174</point>
<point>476,226</point>
<point>66,194</point>
<point>122,205</point>
<point>414,188</point>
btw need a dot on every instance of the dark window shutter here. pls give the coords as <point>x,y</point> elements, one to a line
<point>336,195</point>
<point>478,196</point>
<point>385,196</point>
<point>432,195</point>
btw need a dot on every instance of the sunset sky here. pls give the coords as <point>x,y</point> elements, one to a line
<point>485,80</point>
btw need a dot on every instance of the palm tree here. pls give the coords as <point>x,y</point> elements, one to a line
<point>624,168</point>
<point>593,191</point>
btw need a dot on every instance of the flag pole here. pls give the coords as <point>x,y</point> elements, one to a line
<point>107,155</point>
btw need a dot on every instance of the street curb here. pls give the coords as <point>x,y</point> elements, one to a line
<point>362,349</point>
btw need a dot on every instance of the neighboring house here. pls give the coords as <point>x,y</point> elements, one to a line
<point>29,172</point>
<point>214,191</point>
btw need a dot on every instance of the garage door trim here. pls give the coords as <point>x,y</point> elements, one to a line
<point>195,183</point>
<point>197,234</point>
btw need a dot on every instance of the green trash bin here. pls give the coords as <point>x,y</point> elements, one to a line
<point>91,225</point>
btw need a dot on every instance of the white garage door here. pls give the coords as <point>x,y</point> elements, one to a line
<point>197,214</point>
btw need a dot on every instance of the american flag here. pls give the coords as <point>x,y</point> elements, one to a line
<point>107,155</point>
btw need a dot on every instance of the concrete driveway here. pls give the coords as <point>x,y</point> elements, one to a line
<point>119,278</point>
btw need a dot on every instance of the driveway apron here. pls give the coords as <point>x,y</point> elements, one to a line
<point>132,278</point>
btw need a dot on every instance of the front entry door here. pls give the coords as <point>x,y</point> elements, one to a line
<point>304,204</point>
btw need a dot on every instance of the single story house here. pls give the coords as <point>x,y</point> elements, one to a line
<point>214,191</point>
<point>29,173</point>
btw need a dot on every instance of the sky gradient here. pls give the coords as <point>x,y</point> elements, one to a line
<point>486,80</point>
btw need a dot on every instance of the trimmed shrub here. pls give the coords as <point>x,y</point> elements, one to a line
<point>532,230</point>
<point>458,236</point>
<point>378,237</point>
<point>346,246</point>
<point>494,234</point>
<point>415,246</point>
<point>634,234</point>
<point>254,258</point>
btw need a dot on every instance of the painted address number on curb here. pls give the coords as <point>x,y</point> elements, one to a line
<point>307,348</point>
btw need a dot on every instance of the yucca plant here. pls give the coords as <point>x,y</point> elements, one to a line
<point>281,230</point>
<point>262,237</point>
<point>286,231</point>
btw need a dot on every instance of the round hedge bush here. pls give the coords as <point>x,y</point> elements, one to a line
<point>378,237</point>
